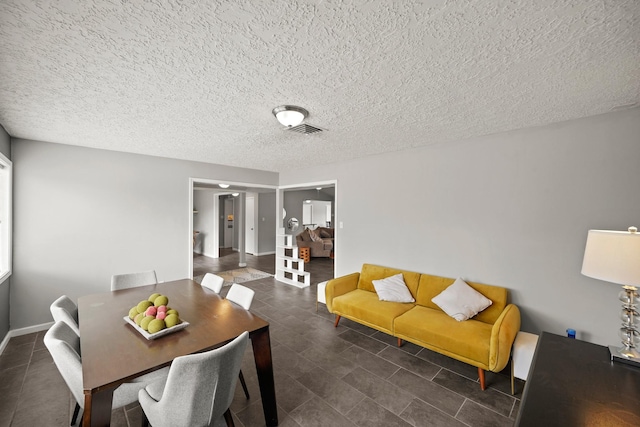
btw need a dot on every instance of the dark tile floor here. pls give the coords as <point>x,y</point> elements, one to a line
<point>325,376</point>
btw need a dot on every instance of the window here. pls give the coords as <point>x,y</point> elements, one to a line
<point>6,172</point>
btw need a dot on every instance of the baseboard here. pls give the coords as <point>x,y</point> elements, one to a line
<point>265,253</point>
<point>4,342</point>
<point>23,331</point>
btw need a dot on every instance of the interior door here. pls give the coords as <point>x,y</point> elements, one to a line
<point>250,233</point>
<point>228,223</point>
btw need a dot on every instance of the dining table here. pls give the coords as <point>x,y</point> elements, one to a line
<point>115,352</point>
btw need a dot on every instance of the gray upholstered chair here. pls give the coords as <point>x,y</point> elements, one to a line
<point>64,345</point>
<point>65,310</point>
<point>213,282</point>
<point>133,280</point>
<point>198,390</point>
<point>242,296</point>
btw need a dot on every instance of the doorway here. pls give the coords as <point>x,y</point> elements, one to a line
<point>259,237</point>
<point>293,199</point>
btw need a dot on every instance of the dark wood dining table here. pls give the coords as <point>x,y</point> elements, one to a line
<point>114,352</point>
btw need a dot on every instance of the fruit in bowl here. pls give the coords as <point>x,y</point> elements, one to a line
<point>154,314</point>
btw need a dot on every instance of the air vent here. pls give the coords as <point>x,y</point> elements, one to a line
<point>305,129</point>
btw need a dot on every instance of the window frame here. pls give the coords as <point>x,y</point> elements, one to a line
<point>6,218</point>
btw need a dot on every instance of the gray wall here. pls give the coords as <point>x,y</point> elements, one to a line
<point>5,148</point>
<point>266,223</point>
<point>81,215</point>
<point>511,209</point>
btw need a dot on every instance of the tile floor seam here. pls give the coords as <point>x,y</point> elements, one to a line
<point>460,408</point>
<point>490,409</point>
<point>513,406</point>
<point>364,396</point>
<point>406,407</point>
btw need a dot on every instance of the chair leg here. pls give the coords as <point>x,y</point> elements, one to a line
<point>399,342</point>
<point>337,320</point>
<point>481,375</point>
<point>513,385</point>
<point>76,410</point>
<point>228,418</point>
<point>244,385</point>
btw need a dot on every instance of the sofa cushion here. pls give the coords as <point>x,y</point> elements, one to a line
<point>393,289</point>
<point>461,301</point>
<point>434,329</point>
<point>372,272</point>
<point>325,234</point>
<point>368,309</point>
<point>430,286</point>
<point>304,236</point>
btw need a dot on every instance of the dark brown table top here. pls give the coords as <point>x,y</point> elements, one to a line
<point>574,383</point>
<point>113,351</point>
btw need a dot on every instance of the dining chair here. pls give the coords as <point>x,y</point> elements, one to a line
<point>64,346</point>
<point>65,310</point>
<point>213,282</point>
<point>133,280</point>
<point>242,296</point>
<point>198,390</point>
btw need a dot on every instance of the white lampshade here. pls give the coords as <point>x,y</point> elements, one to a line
<point>613,256</point>
<point>290,115</point>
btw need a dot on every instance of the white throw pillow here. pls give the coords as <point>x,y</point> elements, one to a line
<point>393,289</point>
<point>461,301</point>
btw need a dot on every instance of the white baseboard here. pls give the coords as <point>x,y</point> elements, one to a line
<point>23,331</point>
<point>266,253</point>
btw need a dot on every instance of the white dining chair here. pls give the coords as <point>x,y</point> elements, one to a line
<point>242,296</point>
<point>65,310</point>
<point>213,282</point>
<point>198,390</point>
<point>64,346</point>
<point>133,280</point>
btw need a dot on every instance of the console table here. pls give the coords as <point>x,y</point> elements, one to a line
<point>574,383</point>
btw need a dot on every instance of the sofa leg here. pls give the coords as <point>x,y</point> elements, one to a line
<point>399,342</point>
<point>481,376</point>
<point>337,320</point>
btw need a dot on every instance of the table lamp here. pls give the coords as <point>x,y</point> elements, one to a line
<point>614,256</point>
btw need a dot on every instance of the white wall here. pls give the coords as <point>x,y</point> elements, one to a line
<point>511,209</point>
<point>81,215</point>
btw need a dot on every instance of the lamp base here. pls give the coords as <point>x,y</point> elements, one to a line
<point>630,356</point>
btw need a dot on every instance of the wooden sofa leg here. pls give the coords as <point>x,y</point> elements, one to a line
<point>481,375</point>
<point>337,320</point>
<point>399,342</point>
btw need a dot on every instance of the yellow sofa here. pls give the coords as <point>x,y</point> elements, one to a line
<point>483,341</point>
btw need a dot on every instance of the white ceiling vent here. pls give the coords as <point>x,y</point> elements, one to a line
<point>305,129</point>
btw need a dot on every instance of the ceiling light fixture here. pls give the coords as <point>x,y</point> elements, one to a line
<point>235,194</point>
<point>290,115</point>
<point>223,185</point>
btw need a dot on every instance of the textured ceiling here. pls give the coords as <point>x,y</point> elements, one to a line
<point>197,80</point>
